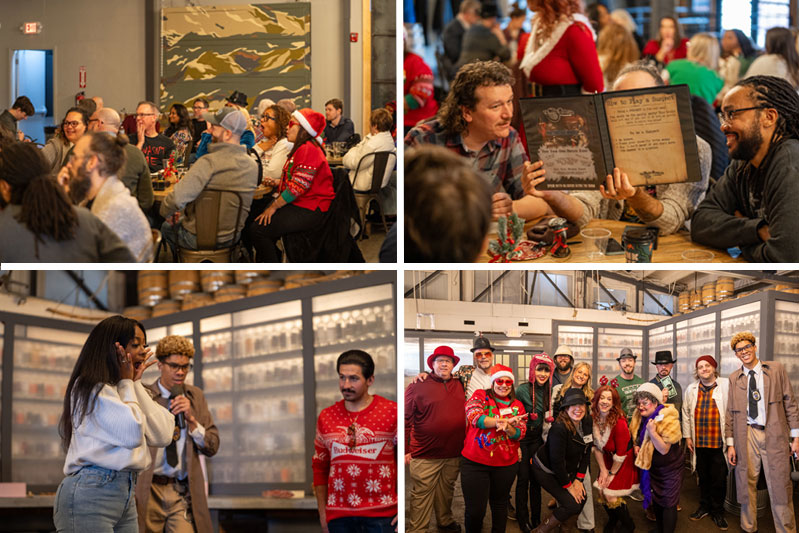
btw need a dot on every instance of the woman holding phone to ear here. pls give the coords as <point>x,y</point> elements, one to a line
<point>107,424</point>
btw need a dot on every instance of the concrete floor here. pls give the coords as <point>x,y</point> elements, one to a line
<point>689,499</point>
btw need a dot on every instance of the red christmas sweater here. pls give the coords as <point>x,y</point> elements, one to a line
<point>653,47</point>
<point>307,180</point>
<point>361,481</point>
<point>418,90</point>
<point>489,446</point>
<point>573,60</point>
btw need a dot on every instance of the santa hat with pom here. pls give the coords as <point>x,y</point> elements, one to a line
<point>311,121</point>
<point>541,359</point>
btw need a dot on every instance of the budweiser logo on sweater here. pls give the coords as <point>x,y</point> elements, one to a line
<point>366,451</point>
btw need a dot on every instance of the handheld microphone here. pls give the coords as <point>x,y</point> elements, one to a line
<point>176,391</point>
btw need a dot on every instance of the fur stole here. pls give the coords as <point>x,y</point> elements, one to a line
<point>533,54</point>
<point>668,427</point>
<point>601,437</point>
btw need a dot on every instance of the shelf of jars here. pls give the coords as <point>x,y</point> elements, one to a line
<point>786,339</point>
<point>579,339</point>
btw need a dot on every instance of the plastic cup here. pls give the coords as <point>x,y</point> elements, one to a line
<point>596,241</point>
<point>692,255</point>
<point>638,245</point>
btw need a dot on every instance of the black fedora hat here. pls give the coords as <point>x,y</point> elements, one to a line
<point>238,98</point>
<point>481,343</point>
<point>663,357</point>
<point>573,397</point>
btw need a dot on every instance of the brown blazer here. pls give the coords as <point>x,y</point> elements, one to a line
<point>782,415</point>
<point>199,502</point>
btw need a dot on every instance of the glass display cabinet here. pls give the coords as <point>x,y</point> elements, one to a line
<point>786,338</point>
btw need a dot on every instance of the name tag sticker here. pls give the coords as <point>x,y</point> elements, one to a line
<point>506,411</point>
<point>588,438</point>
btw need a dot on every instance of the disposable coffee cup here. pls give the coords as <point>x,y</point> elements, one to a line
<point>638,245</point>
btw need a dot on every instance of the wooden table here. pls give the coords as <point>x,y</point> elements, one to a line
<point>260,191</point>
<point>335,161</point>
<point>670,247</point>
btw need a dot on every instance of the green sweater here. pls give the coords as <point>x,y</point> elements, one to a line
<point>627,388</point>
<point>701,81</point>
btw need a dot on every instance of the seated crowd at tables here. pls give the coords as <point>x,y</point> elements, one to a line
<point>58,202</point>
<point>745,109</point>
<point>545,430</point>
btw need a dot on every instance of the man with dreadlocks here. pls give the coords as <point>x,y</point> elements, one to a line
<point>752,205</point>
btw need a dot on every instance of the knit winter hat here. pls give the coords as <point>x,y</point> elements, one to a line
<point>500,371</point>
<point>312,122</point>
<point>652,389</point>
<point>541,359</point>
<point>709,359</point>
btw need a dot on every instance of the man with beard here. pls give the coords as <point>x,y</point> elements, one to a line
<point>355,459</point>
<point>564,361</point>
<point>628,381</point>
<point>751,205</point>
<point>671,390</point>
<point>90,180</point>
<point>474,122</point>
<point>433,442</point>
<point>135,174</point>
<point>226,167</point>
<point>170,495</point>
<point>154,146</point>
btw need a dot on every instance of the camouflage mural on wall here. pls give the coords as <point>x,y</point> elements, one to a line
<point>262,50</point>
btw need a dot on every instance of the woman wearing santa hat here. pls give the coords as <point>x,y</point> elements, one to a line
<point>490,451</point>
<point>613,450</point>
<point>535,396</point>
<point>305,190</point>
<point>703,408</point>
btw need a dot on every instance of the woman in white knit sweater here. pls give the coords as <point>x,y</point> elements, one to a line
<point>109,420</point>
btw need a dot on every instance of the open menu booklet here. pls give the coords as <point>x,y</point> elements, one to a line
<point>647,133</point>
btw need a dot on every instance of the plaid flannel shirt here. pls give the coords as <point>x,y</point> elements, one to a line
<point>708,423</point>
<point>500,162</point>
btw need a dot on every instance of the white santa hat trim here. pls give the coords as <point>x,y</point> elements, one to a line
<point>501,374</point>
<point>307,126</point>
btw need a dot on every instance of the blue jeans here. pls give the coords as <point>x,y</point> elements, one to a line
<point>361,524</point>
<point>98,500</point>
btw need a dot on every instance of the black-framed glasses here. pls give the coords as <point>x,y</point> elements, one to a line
<point>743,348</point>
<point>174,366</point>
<point>72,123</point>
<point>268,118</point>
<point>729,115</point>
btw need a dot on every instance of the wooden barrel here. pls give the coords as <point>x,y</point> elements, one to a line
<point>724,288</point>
<point>230,292</point>
<point>212,280</point>
<point>152,286</point>
<point>708,293</point>
<point>138,312</point>
<point>244,277</point>
<point>182,282</point>
<point>263,286</point>
<point>166,307</point>
<point>684,302</point>
<point>696,299</point>
<point>193,300</point>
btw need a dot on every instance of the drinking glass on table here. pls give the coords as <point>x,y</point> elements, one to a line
<point>596,240</point>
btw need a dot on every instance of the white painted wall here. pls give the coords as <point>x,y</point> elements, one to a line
<point>442,315</point>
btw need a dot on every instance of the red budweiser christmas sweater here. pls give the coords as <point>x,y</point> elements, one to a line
<point>360,474</point>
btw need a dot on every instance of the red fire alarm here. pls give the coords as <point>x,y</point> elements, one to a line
<point>353,37</point>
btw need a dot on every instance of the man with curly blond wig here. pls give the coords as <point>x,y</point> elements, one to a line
<point>170,495</point>
<point>762,417</point>
<point>474,122</point>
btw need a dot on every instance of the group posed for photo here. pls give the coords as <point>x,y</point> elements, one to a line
<point>745,111</point>
<point>543,433</point>
<point>134,451</point>
<point>58,202</point>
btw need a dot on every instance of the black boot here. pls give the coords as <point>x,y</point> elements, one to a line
<point>627,524</point>
<point>613,518</point>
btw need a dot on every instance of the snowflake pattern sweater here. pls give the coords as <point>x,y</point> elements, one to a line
<point>360,481</point>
